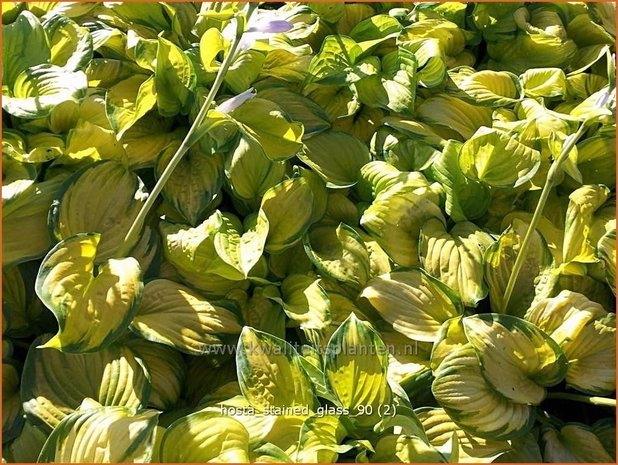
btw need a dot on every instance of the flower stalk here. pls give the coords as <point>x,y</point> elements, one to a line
<point>190,137</point>
<point>601,401</point>
<point>550,182</point>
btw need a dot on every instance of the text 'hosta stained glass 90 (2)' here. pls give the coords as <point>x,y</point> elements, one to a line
<point>308,232</point>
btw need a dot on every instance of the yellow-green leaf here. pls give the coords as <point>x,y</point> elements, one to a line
<point>466,199</point>
<point>211,44</point>
<point>298,108</point>
<point>266,123</point>
<point>89,142</point>
<point>70,44</point>
<point>395,218</point>
<point>175,79</point>
<point>355,368</point>
<point>456,258</point>
<point>405,449</point>
<point>102,435</point>
<point>340,171</point>
<point>338,252</point>
<point>244,70</point>
<point>449,112</point>
<point>166,369</point>
<point>194,183</point>
<point>472,449</point>
<point>544,82</point>
<point>606,251</point>
<point>103,198</point>
<point>305,301</point>
<point>193,254</point>
<point>174,315</point>
<point>147,138</point>
<point>38,89</point>
<point>463,393</point>
<point>25,31</point>
<point>413,302</point>
<point>270,373</point>
<point>499,261</point>
<point>113,376</point>
<point>572,443</point>
<point>431,61</point>
<point>332,63</point>
<point>583,202</point>
<point>288,209</point>
<point>487,88</point>
<point>592,358</point>
<point>498,159</point>
<point>319,439</point>
<point>24,222</point>
<point>92,309</point>
<point>239,249</point>
<point>205,437</point>
<point>574,321</point>
<point>516,357</point>
<point>129,100</point>
<point>42,147</point>
<point>249,172</point>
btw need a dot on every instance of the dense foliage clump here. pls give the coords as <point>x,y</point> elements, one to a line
<point>308,232</point>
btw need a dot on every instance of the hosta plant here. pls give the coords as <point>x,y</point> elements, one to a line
<point>308,232</point>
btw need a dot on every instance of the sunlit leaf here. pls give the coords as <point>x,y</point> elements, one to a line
<point>205,437</point>
<point>342,170</point>
<point>103,198</point>
<point>499,261</point>
<point>103,435</point>
<point>413,302</point>
<point>270,372</point>
<point>498,159</point>
<point>92,308</point>
<point>339,253</point>
<point>265,122</point>
<point>38,89</point>
<point>112,376</point>
<point>174,78</point>
<point>174,315</point>
<point>456,257</point>
<point>355,370</point>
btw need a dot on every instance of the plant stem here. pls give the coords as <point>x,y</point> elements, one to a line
<point>549,184</point>
<point>602,401</point>
<point>538,211</point>
<point>188,140</point>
